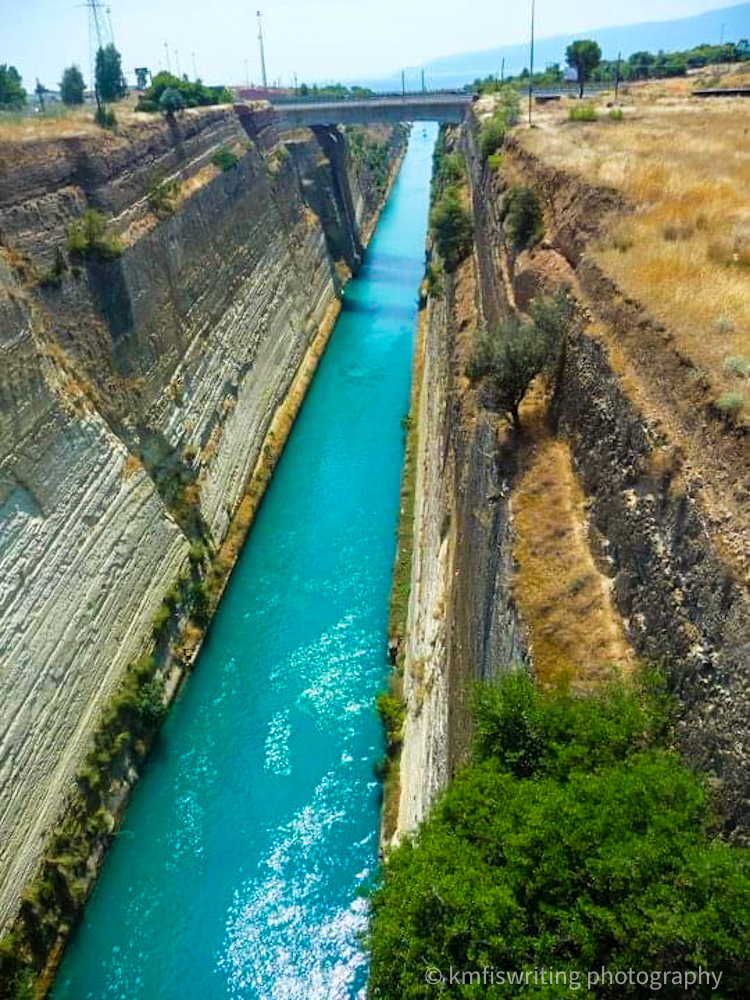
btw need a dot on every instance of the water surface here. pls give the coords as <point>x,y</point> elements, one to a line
<point>243,851</point>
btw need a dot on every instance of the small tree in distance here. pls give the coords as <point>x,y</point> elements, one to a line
<point>12,94</point>
<point>583,56</point>
<point>72,86</point>
<point>110,82</point>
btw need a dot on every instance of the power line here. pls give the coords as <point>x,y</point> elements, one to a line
<point>100,33</point>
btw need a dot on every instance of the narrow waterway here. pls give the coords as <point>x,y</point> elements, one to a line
<point>239,867</point>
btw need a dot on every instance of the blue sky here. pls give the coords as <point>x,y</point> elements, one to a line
<point>318,39</point>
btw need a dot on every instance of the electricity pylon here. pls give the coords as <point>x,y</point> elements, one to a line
<point>100,33</point>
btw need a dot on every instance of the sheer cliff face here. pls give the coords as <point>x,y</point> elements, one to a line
<point>135,395</point>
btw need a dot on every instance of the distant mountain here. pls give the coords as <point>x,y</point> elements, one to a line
<point>453,71</point>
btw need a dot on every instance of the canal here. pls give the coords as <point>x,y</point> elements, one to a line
<point>239,868</point>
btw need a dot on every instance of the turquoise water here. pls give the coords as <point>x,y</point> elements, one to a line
<point>241,856</point>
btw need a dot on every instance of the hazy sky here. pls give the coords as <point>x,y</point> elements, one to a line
<point>318,39</point>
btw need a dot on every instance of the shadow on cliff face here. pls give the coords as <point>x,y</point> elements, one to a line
<point>111,296</point>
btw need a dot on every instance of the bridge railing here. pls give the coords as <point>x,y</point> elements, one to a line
<point>367,98</point>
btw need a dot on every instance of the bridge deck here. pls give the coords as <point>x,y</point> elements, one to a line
<point>441,107</point>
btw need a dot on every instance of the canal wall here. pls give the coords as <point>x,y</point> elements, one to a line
<point>145,385</point>
<point>463,624</point>
<point>673,562</point>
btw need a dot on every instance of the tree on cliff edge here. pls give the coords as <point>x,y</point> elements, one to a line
<point>583,56</point>
<point>110,82</point>
<point>512,356</point>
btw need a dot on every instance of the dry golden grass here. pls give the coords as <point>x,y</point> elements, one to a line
<point>565,601</point>
<point>685,250</point>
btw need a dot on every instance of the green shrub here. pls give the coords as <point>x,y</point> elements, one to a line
<point>615,114</point>
<point>23,987</point>
<point>495,161</point>
<point>492,131</point>
<point>391,712</point>
<point>730,403</point>
<point>523,217</point>
<point>151,703</point>
<point>573,840</point>
<point>89,237</point>
<point>452,169</point>
<point>147,105</point>
<point>225,159</point>
<point>452,226</point>
<point>106,118</point>
<point>200,602</point>
<point>736,365</point>
<point>171,101</point>
<point>583,113</point>
<point>163,194</point>
<point>197,554</point>
<point>161,620</point>
<point>435,286</point>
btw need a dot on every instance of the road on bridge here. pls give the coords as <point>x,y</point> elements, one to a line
<point>441,106</point>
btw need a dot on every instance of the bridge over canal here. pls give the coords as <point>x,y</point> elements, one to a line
<point>426,106</point>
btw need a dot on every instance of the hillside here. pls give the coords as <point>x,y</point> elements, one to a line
<point>683,33</point>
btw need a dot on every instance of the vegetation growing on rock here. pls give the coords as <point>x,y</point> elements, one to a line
<point>575,839</point>
<point>511,356</point>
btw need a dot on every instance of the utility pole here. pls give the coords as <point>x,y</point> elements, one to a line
<point>100,33</point>
<point>617,76</point>
<point>195,68</point>
<point>262,53</point>
<point>169,64</point>
<point>502,71</point>
<point>423,81</point>
<point>531,61</point>
<point>177,63</point>
<point>403,83</point>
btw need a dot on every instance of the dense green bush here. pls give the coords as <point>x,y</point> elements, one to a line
<point>225,159</point>
<point>522,217</point>
<point>89,237</point>
<point>192,94</point>
<point>573,841</point>
<point>451,223</point>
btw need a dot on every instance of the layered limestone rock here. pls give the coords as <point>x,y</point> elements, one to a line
<point>135,398</point>
<point>463,624</point>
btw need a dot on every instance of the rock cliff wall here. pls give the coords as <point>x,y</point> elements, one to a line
<point>675,563</point>
<point>462,624</point>
<point>136,394</point>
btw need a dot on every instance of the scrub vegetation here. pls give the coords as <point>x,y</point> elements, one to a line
<point>684,249</point>
<point>574,839</point>
<point>450,219</point>
<point>90,238</point>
